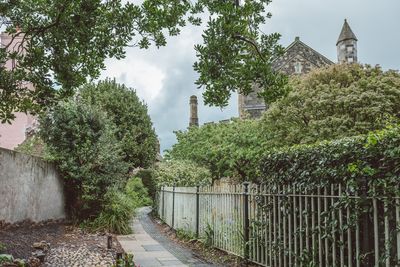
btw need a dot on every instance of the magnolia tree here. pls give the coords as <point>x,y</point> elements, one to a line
<point>58,44</point>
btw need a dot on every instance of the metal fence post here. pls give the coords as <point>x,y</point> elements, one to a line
<point>367,235</point>
<point>173,206</point>
<point>163,203</point>
<point>246,221</point>
<point>197,211</point>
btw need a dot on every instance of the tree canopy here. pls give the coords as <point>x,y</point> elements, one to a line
<point>226,149</point>
<point>330,103</point>
<point>334,102</point>
<point>60,44</point>
<point>134,129</point>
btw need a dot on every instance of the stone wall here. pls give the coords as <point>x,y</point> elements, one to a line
<point>30,189</point>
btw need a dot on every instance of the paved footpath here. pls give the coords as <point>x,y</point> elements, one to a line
<point>151,248</point>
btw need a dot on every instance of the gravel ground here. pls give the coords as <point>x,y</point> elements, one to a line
<point>69,245</point>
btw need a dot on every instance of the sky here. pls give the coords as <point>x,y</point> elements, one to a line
<point>164,78</point>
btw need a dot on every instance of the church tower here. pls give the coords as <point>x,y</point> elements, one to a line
<point>347,45</point>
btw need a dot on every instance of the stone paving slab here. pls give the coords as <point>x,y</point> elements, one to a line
<point>150,248</point>
<point>146,251</point>
<point>185,255</point>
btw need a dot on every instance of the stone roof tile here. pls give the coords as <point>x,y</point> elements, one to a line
<point>346,33</point>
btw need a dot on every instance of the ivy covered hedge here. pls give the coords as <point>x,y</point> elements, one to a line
<point>371,156</point>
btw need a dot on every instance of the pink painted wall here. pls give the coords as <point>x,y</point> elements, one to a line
<point>13,135</point>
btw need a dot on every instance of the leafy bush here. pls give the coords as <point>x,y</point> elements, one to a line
<point>137,192</point>
<point>375,156</point>
<point>120,206</point>
<point>81,140</point>
<point>181,173</point>
<point>5,258</point>
<point>116,215</point>
<point>335,102</point>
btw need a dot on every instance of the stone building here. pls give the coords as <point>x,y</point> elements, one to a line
<point>298,59</point>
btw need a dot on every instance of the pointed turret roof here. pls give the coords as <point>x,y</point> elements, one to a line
<point>346,33</point>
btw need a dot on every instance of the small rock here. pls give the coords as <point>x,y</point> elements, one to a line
<point>41,245</point>
<point>39,254</point>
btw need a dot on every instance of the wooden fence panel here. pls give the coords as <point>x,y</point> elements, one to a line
<point>185,209</point>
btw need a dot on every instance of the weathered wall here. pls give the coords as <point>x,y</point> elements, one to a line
<point>30,188</point>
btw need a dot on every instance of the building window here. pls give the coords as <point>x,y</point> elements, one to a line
<point>350,48</point>
<point>350,59</point>
<point>298,67</point>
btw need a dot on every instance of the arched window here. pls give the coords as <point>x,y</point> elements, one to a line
<point>298,67</point>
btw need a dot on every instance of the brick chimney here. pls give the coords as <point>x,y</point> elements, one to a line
<point>194,119</point>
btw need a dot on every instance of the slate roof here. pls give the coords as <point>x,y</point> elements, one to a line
<point>346,33</point>
<point>292,51</point>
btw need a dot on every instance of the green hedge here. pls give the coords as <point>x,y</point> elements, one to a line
<point>372,156</point>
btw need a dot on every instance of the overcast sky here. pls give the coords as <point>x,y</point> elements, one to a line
<point>164,78</point>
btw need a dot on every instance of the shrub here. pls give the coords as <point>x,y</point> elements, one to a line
<point>148,180</point>
<point>81,140</point>
<point>116,215</point>
<point>137,192</point>
<point>375,156</point>
<point>181,173</point>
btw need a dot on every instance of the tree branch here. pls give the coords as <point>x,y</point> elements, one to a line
<point>242,38</point>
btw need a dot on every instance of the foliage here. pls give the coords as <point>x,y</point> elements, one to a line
<point>81,140</point>
<point>339,101</point>
<point>185,234</point>
<point>236,54</point>
<point>62,43</point>
<point>134,128</point>
<point>136,191</point>
<point>32,145</point>
<point>117,213</point>
<point>127,261</point>
<point>148,180</point>
<point>6,258</point>
<point>355,170</point>
<point>120,206</point>
<point>208,236</point>
<point>181,173</point>
<point>227,149</point>
<point>330,103</point>
<point>375,156</point>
